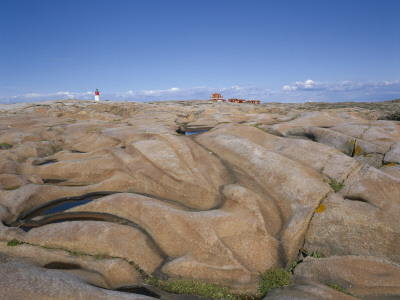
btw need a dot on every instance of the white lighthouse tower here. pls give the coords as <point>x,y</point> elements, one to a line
<point>96,95</point>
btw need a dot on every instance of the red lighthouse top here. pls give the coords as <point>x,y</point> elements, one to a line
<point>97,92</point>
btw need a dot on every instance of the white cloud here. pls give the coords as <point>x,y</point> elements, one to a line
<point>32,97</point>
<point>296,92</point>
<point>310,85</point>
<point>195,93</point>
<point>343,90</point>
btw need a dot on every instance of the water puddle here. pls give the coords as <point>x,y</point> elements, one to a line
<point>190,130</point>
<point>194,132</point>
<point>67,205</point>
<point>46,162</point>
<point>60,205</point>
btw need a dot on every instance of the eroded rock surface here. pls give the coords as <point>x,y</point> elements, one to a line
<point>106,195</point>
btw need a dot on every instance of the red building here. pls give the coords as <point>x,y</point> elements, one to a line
<point>217,97</point>
<point>235,100</point>
<point>253,101</point>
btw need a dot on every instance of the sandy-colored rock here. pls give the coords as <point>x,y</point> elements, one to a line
<point>220,207</point>
<point>374,187</point>
<point>298,188</point>
<point>355,130</point>
<point>317,119</point>
<point>345,228</point>
<point>393,155</point>
<point>19,281</point>
<point>204,245</point>
<point>382,133</point>
<point>360,275</point>
<point>100,271</point>
<point>10,181</point>
<point>391,169</point>
<point>306,289</point>
<point>98,238</point>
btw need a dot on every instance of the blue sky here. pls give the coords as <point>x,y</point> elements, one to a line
<point>146,50</point>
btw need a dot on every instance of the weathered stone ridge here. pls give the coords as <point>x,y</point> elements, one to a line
<point>96,197</point>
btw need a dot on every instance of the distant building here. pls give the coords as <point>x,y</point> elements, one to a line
<point>217,97</point>
<point>253,101</point>
<point>235,100</point>
<point>96,95</point>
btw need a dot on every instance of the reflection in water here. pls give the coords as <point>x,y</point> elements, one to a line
<point>194,132</point>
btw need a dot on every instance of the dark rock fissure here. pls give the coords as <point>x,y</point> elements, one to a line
<point>53,181</point>
<point>61,266</point>
<point>46,162</point>
<point>355,198</point>
<point>77,151</point>
<point>141,290</point>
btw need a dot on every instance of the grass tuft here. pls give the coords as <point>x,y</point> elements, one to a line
<point>269,280</point>
<point>317,255</point>
<point>55,149</point>
<point>336,186</point>
<point>202,289</point>
<point>273,279</point>
<point>12,187</point>
<point>257,126</point>
<point>5,146</point>
<point>13,242</point>
<point>339,289</point>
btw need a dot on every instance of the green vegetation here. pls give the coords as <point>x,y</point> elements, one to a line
<point>11,187</point>
<point>317,255</point>
<point>336,186</point>
<point>95,130</point>
<point>103,256</point>
<point>273,279</point>
<point>5,146</point>
<point>206,290</point>
<point>294,264</point>
<point>392,116</point>
<point>339,289</point>
<point>72,252</point>
<point>257,126</point>
<point>55,149</point>
<point>269,280</point>
<point>14,242</point>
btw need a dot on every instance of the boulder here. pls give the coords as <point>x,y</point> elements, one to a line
<point>393,155</point>
<point>296,189</point>
<point>101,271</point>
<point>20,281</point>
<point>204,245</point>
<point>98,239</point>
<point>306,289</point>
<point>363,276</point>
<point>345,228</point>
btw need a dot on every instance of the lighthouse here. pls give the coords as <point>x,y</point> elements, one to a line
<point>96,95</point>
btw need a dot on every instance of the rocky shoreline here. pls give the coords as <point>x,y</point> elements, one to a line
<point>100,198</point>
